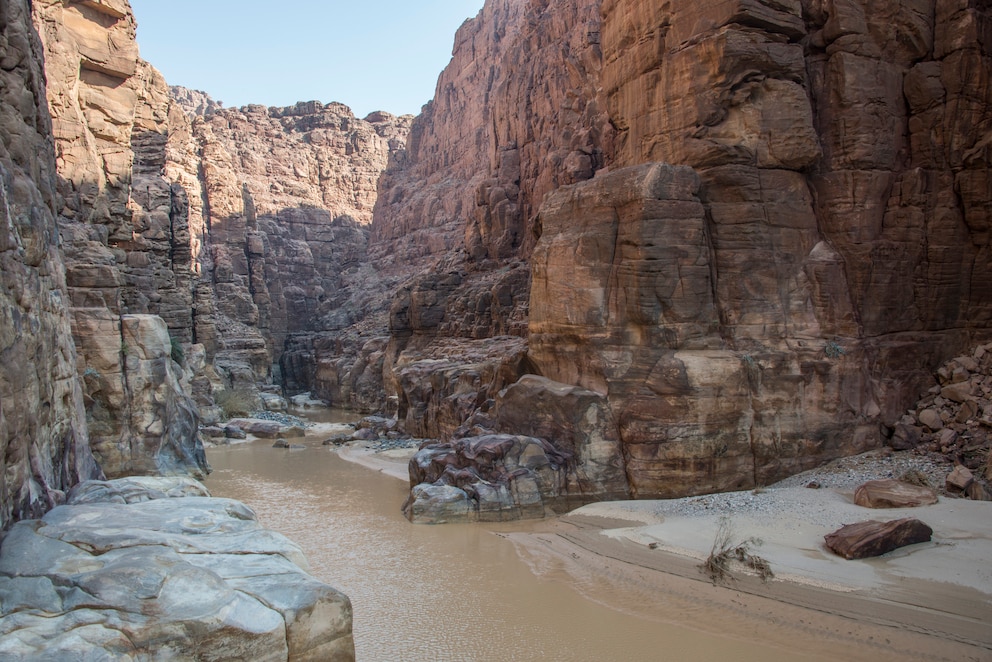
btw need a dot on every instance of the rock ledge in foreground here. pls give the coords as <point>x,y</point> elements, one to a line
<point>149,573</point>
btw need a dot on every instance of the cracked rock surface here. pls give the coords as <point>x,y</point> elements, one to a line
<point>149,569</point>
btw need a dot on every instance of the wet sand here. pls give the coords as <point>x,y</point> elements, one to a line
<point>931,601</point>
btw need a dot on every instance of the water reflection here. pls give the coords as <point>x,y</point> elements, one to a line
<point>453,592</point>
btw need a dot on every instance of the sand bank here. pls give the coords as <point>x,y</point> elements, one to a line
<point>931,601</point>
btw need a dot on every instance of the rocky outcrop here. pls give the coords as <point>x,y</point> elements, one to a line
<point>141,419</point>
<point>141,569</point>
<point>194,102</point>
<point>517,113</point>
<point>44,448</point>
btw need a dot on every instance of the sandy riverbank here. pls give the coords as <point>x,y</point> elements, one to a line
<point>931,601</point>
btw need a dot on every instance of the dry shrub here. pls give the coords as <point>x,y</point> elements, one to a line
<point>235,401</point>
<point>725,550</point>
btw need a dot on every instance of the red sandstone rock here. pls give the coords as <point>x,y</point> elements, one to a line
<point>871,538</point>
<point>893,494</point>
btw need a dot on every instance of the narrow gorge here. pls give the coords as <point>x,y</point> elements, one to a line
<point>631,249</point>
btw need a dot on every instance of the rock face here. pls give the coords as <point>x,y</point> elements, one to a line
<point>764,324</point>
<point>787,230</point>
<point>151,569</point>
<point>517,113</point>
<point>141,419</point>
<point>44,448</point>
<point>125,223</point>
<point>290,193</point>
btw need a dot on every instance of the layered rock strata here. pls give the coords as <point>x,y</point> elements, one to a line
<point>125,222</point>
<point>792,236</point>
<point>289,194</point>
<point>834,258</point>
<point>146,569</point>
<point>44,448</point>
<point>517,113</point>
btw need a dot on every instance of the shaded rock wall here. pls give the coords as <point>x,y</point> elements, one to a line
<point>517,113</point>
<point>43,442</point>
<point>776,300</point>
<point>289,194</point>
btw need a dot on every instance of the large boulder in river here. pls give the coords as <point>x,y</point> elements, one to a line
<point>142,576</point>
<point>491,477</point>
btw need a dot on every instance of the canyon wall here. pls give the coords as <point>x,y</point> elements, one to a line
<point>289,195</point>
<point>766,312</point>
<point>786,233</point>
<point>44,448</point>
<point>126,234</point>
<point>517,113</point>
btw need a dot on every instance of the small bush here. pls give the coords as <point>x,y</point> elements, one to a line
<point>234,401</point>
<point>717,564</point>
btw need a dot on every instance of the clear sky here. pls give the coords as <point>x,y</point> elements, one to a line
<point>377,55</point>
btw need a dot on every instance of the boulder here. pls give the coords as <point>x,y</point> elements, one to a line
<point>959,479</point>
<point>234,432</point>
<point>439,504</point>
<point>273,402</point>
<point>266,429</point>
<point>931,419</point>
<point>871,538</point>
<point>891,493</point>
<point>502,477</point>
<point>189,577</point>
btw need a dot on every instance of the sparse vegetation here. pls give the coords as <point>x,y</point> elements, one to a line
<point>833,350</point>
<point>915,477</point>
<point>725,551</point>
<point>178,354</point>
<point>234,401</point>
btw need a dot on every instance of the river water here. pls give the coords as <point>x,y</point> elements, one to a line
<point>438,593</point>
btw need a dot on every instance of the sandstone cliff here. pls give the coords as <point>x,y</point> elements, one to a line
<point>832,253</point>
<point>289,195</point>
<point>792,234</point>
<point>517,113</point>
<point>128,241</point>
<point>43,442</point>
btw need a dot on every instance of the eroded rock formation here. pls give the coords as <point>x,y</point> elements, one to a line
<point>125,226</point>
<point>517,113</point>
<point>792,235</point>
<point>44,448</point>
<point>833,264</point>
<point>121,571</point>
<point>289,195</point>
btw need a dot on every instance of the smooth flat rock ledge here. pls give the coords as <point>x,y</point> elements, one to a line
<point>156,569</point>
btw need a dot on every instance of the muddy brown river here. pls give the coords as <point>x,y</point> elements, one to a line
<point>450,592</point>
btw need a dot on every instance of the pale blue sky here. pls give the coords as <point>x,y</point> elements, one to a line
<point>379,55</point>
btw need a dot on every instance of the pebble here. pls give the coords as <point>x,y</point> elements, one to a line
<point>285,419</point>
<point>845,474</point>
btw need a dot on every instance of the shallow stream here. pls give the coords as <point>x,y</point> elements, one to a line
<point>450,592</point>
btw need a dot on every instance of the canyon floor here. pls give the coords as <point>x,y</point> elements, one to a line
<point>929,601</point>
